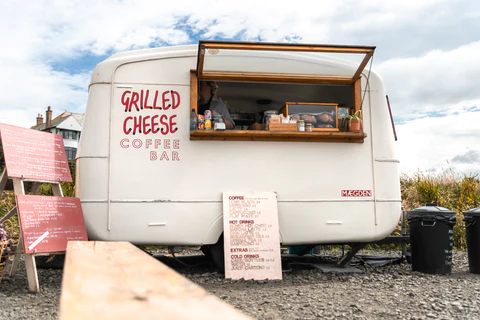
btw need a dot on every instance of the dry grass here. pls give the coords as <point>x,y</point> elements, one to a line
<point>455,192</point>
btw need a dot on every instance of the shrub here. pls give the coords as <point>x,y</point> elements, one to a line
<point>455,192</point>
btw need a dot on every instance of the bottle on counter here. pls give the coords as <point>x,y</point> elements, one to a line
<point>193,120</point>
<point>208,124</point>
<point>308,127</point>
<point>301,125</point>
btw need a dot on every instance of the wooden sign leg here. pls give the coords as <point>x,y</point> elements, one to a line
<point>19,188</point>
<point>16,257</point>
<point>3,181</point>
<point>32,276</point>
<point>57,189</point>
<point>35,188</point>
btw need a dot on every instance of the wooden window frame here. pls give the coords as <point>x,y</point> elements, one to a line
<point>265,135</point>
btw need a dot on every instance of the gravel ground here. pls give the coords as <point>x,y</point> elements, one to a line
<point>388,292</point>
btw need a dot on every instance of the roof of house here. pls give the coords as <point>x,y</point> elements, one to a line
<point>59,119</point>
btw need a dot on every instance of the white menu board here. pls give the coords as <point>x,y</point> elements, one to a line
<point>251,235</point>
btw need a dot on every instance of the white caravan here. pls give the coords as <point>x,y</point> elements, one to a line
<point>143,176</point>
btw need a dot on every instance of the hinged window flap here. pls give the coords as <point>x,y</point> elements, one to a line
<point>280,61</point>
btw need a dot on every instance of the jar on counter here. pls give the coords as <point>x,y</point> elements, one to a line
<point>301,125</point>
<point>308,127</point>
<point>217,118</point>
<point>266,116</point>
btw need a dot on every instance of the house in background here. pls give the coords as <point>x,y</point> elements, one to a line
<point>68,125</point>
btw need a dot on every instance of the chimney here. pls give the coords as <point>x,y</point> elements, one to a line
<point>39,119</point>
<point>48,121</point>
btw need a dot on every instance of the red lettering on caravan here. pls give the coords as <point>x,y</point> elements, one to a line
<point>175,99</point>
<point>165,100</point>
<point>176,144</point>
<point>164,130</point>
<point>146,125</point>
<point>134,101</point>
<point>155,101</point>
<point>125,130</point>
<point>153,155</point>
<point>146,106</point>
<point>157,143</point>
<point>164,156</point>
<point>155,124</point>
<point>173,124</point>
<point>137,124</point>
<point>126,102</point>
<point>166,144</point>
<point>148,143</point>
<point>141,99</point>
<point>175,156</point>
<point>124,143</point>
<point>356,193</point>
<point>137,143</point>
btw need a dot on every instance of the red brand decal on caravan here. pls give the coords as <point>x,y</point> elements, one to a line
<point>356,193</point>
<point>150,122</point>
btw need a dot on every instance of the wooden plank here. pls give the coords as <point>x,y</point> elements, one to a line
<point>57,190</point>
<point>357,95</point>
<point>10,214</point>
<point>286,47</point>
<point>16,258</point>
<point>264,135</point>
<point>362,66</point>
<point>275,77</point>
<point>18,186</point>
<point>32,276</point>
<point>35,187</point>
<point>193,91</point>
<point>116,280</point>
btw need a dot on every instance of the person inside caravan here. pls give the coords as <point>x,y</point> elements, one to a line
<point>209,101</point>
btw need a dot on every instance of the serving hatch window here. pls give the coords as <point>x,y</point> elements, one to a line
<point>235,60</point>
<point>256,77</point>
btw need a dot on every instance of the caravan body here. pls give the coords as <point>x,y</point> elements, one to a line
<point>143,177</point>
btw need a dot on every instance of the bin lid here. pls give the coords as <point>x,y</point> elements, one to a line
<point>432,211</point>
<point>472,213</point>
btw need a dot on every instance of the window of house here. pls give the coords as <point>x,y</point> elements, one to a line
<point>71,153</point>
<point>69,134</point>
<point>257,78</point>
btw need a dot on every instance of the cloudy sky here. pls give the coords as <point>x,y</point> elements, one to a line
<point>428,53</point>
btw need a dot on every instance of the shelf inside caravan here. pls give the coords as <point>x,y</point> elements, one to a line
<point>264,135</point>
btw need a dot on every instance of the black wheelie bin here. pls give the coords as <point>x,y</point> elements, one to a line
<point>431,239</point>
<point>472,224</point>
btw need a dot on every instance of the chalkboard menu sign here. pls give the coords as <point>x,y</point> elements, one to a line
<point>251,235</point>
<point>48,223</point>
<point>33,154</point>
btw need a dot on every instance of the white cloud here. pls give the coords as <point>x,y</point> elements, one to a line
<point>436,81</point>
<point>434,144</point>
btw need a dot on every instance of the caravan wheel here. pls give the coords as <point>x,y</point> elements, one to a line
<point>216,254</point>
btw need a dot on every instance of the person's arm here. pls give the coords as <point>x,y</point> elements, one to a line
<point>219,107</point>
<point>229,125</point>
